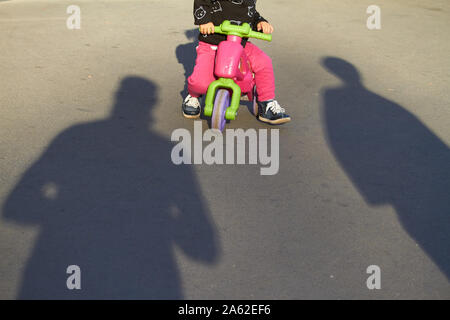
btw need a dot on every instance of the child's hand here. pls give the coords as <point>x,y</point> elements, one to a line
<point>265,27</point>
<point>207,28</point>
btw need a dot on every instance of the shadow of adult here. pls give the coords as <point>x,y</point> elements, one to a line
<point>108,199</point>
<point>392,158</point>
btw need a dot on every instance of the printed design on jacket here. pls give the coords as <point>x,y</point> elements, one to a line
<point>251,11</point>
<point>237,1</point>
<point>216,7</point>
<point>200,13</point>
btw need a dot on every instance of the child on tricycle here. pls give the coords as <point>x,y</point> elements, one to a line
<point>228,64</point>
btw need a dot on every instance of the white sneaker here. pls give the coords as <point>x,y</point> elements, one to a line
<point>191,107</point>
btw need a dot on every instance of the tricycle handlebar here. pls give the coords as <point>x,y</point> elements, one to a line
<point>243,31</point>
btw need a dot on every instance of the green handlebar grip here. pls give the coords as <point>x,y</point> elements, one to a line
<point>243,31</point>
<point>260,35</point>
<point>219,30</point>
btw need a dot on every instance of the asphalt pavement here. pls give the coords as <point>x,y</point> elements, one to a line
<point>87,178</point>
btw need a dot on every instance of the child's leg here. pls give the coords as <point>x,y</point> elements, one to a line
<point>269,109</point>
<point>203,74</point>
<point>262,68</point>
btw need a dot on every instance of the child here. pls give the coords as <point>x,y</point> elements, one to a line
<point>210,13</point>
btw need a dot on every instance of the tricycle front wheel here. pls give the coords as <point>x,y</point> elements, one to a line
<point>221,103</point>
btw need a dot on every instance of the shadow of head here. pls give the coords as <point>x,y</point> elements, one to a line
<point>342,69</point>
<point>135,99</point>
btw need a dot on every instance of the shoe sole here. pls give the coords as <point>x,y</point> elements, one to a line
<point>279,121</point>
<point>188,116</point>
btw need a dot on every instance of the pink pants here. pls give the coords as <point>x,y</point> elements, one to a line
<point>260,63</point>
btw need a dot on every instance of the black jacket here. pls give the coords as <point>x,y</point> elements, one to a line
<point>216,11</point>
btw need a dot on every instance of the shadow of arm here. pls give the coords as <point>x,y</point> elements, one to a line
<point>194,232</point>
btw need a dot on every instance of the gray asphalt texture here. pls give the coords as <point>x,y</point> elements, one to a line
<point>86,177</point>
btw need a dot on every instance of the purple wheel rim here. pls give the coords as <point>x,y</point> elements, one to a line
<point>220,107</point>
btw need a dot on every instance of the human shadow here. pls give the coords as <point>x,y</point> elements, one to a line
<point>392,158</point>
<point>186,55</point>
<point>108,199</point>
